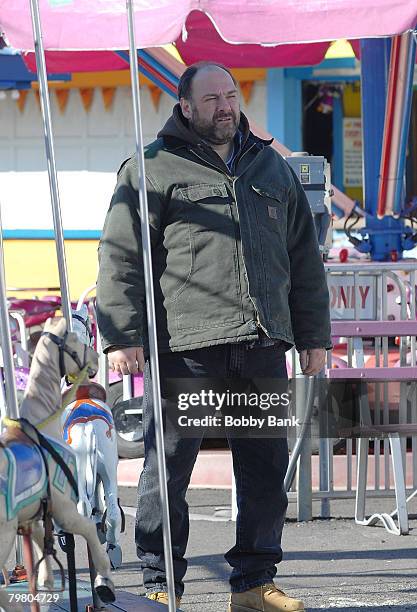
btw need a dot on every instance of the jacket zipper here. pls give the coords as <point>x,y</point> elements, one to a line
<point>258,322</point>
<point>228,176</point>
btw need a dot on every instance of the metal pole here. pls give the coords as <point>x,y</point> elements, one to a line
<point>150,309</point>
<point>303,401</point>
<point>12,409</point>
<point>50,158</point>
<point>3,404</point>
<point>11,403</point>
<point>409,42</point>
<point>303,432</point>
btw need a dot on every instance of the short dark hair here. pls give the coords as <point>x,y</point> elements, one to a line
<point>186,80</point>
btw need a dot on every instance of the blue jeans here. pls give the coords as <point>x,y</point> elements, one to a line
<point>259,466</point>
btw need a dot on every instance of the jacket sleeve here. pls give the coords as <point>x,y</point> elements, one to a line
<point>121,311</point>
<point>309,295</point>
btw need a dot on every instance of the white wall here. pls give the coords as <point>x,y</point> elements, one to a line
<point>89,148</point>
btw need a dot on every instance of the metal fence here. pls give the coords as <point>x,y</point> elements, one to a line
<point>360,292</point>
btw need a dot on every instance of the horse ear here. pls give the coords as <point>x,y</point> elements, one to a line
<point>48,324</point>
<point>60,327</point>
<point>57,325</point>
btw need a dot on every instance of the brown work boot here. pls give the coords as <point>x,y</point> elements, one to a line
<point>266,598</point>
<point>162,597</point>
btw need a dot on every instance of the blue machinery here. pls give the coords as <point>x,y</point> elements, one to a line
<point>387,80</point>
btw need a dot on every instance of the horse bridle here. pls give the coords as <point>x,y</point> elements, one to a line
<point>85,323</point>
<point>63,348</point>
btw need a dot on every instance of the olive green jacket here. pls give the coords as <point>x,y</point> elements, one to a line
<point>232,252</point>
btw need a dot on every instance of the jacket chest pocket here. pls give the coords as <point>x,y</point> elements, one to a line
<point>207,207</point>
<point>271,208</point>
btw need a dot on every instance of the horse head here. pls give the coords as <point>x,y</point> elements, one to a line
<point>81,325</point>
<point>74,354</point>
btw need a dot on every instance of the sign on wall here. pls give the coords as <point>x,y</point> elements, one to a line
<point>343,297</point>
<point>352,152</point>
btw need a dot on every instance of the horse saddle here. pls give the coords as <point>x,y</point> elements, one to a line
<point>25,479</point>
<point>87,390</point>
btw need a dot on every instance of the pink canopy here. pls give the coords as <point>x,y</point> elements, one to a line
<point>203,42</point>
<point>98,24</point>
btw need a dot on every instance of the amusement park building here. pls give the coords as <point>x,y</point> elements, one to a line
<point>316,109</point>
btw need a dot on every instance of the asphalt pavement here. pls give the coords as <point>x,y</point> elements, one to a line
<point>330,564</point>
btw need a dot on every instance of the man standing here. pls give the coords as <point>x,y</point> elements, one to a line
<point>238,279</point>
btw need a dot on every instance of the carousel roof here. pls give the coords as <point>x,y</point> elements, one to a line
<point>98,25</point>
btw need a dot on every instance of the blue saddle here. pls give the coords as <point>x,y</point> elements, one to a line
<point>26,479</point>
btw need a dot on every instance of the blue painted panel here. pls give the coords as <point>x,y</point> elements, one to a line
<point>307,73</point>
<point>374,67</point>
<point>293,114</point>
<point>30,467</point>
<point>13,70</point>
<point>284,108</point>
<point>46,234</point>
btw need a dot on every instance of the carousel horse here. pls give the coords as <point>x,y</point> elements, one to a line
<point>88,427</point>
<point>38,476</point>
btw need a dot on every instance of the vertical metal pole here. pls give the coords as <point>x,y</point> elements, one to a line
<point>400,94</point>
<point>12,409</point>
<point>127,387</point>
<point>234,498</point>
<point>150,309</point>
<point>53,180</point>
<point>103,366</point>
<point>50,158</point>
<point>3,405</point>
<point>303,476</point>
<point>11,403</point>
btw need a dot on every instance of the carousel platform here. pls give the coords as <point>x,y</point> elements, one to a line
<point>59,602</point>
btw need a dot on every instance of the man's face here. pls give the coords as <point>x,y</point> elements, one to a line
<point>214,109</point>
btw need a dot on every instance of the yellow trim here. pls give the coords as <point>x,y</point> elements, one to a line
<point>340,48</point>
<point>172,50</point>
<point>32,263</point>
<point>352,100</point>
<point>112,78</point>
<point>8,422</point>
<point>249,74</point>
<point>121,78</point>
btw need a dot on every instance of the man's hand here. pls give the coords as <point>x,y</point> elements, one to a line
<point>312,361</point>
<point>128,360</point>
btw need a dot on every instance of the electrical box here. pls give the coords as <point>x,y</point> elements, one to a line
<point>313,172</point>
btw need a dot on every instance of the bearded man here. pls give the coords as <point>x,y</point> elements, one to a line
<point>238,280</point>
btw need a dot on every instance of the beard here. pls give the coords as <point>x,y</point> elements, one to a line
<point>214,131</point>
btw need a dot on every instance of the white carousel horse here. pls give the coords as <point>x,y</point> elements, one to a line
<point>39,473</point>
<point>88,427</point>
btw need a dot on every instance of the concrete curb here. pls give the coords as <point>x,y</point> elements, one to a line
<point>213,469</point>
